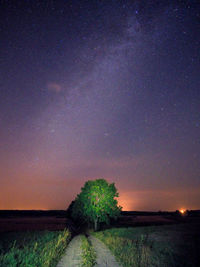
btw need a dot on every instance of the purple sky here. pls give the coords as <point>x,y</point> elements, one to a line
<point>100,89</point>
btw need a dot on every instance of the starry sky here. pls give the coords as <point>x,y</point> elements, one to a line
<point>100,89</point>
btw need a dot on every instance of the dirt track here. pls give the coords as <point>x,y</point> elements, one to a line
<point>104,256</point>
<point>72,257</point>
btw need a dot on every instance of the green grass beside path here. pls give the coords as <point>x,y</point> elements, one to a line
<point>28,249</point>
<point>154,246</point>
<point>88,253</point>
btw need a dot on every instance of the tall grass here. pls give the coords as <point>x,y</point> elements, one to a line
<point>171,246</point>
<point>88,253</point>
<point>129,252</point>
<point>34,249</point>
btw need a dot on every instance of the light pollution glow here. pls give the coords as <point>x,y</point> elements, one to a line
<point>100,92</point>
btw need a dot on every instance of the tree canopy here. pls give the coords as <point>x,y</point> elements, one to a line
<point>97,202</point>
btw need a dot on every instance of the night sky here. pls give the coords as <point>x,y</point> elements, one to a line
<point>100,89</point>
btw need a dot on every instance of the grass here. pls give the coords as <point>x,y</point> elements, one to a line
<point>88,253</point>
<point>167,246</point>
<point>28,249</point>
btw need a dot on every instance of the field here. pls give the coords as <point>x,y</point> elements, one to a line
<point>33,221</point>
<point>33,238</point>
<point>136,239</point>
<point>57,220</point>
<point>37,248</point>
<point>32,224</point>
<point>167,245</point>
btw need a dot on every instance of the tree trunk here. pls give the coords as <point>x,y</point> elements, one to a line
<point>95,225</point>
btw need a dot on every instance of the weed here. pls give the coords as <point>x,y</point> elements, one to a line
<point>88,253</point>
<point>41,249</point>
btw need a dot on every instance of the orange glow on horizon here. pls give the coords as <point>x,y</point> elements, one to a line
<point>182,211</point>
<point>126,202</point>
<point>26,208</point>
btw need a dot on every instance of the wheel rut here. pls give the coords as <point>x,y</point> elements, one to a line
<point>73,254</point>
<point>104,256</point>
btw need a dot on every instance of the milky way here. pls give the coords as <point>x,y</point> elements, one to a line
<point>100,90</point>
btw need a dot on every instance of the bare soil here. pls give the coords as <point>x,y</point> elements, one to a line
<point>104,255</point>
<point>72,257</point>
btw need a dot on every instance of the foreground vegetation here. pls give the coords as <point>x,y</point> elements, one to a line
<point>167,246</point>
<point>88,253</point>
<point>27,249</point>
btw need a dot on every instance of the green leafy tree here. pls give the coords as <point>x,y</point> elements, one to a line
<point>96,203</point>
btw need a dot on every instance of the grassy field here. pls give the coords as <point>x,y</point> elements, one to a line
<point>166,246</point>
<point>28,249</point>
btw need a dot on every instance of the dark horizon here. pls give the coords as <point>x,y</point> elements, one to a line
<point>139,211</point>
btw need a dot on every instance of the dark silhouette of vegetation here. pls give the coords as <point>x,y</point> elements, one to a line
<point>96,203</point>
<point>69,209</point>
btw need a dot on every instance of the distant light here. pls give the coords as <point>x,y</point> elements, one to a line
<point>182,211</point>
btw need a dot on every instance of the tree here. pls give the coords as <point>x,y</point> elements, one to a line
<point>69,209</point>
<point>97,202</point>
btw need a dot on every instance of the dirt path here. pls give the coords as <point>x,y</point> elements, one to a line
<point>104,256</point>
<point>72,257</point>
